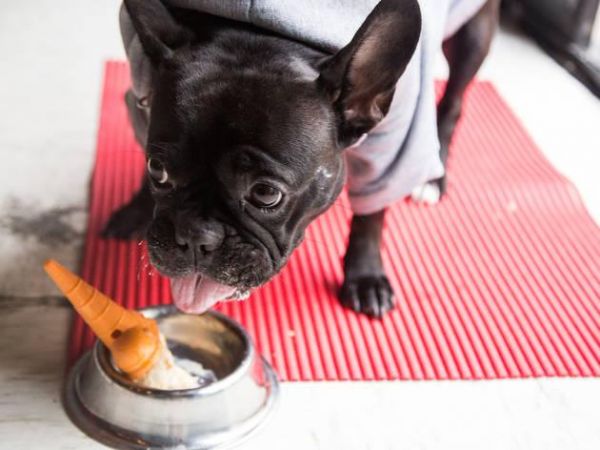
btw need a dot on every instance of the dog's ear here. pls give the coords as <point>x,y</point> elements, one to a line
<point>157,29</point>
<point>360,79</point>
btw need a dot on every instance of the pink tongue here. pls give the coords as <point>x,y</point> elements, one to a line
<point>197,293</point>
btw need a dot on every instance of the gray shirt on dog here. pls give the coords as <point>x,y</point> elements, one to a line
<point>402,151</point>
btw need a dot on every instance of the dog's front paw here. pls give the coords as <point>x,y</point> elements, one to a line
<point>429,193</point>
<point>129,222</point>
<point>370,294</point>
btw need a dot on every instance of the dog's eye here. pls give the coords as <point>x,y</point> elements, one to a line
<point>265,196</point>
<point>157,171</point>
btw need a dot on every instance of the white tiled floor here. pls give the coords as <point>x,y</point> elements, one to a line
<point>558,112</point>
<point>51,60</point>
<point>536,414</point>
<point>51,54</point>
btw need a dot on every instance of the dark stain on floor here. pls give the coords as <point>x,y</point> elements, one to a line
<point>50,227</point>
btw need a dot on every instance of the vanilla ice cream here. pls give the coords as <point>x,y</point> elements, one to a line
<point>168,373</point>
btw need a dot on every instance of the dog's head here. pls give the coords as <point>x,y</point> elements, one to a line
<point>246,138</point>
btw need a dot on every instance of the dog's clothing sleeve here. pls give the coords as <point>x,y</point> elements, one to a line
<point>402,151</point>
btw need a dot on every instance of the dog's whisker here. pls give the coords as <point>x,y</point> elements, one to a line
<point>141,266</point>
<point>340,204</point>
<point>144,264</point>
<point>316,241</point>
<point>162,146</point>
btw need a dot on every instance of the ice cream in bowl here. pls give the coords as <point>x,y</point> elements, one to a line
<point>159,378</point>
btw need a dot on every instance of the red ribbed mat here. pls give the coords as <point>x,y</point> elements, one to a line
<point>499,280</point>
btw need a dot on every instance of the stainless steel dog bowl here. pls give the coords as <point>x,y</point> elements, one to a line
<point>111,409</point>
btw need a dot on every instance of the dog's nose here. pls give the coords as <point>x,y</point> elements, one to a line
<point>203,234</point>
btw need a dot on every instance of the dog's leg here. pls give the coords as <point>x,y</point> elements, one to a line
<point>366,288</point>
<point>131,220</point>
<point>465,51</point>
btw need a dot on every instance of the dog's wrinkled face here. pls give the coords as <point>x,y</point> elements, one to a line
<point>246,135</point>
<point>235,174</point>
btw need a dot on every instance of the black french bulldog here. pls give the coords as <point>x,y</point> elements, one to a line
<point>246,137</point>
